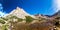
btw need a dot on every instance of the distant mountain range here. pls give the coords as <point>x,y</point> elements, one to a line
<point>19,12</point>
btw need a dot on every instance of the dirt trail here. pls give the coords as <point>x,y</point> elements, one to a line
<point>58,28</point>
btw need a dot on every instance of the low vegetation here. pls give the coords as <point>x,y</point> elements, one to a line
<point>15,23</point>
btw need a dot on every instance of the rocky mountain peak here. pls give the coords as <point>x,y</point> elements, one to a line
<point>19,12</point>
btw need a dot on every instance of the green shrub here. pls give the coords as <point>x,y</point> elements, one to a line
<point>29,19</point>
<point>1,21</point>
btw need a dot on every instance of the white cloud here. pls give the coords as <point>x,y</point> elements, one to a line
<point>1,11</point>
<point>2,14</point>
<point>56,4</point>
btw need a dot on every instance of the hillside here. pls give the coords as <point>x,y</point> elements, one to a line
<point>18,19</point>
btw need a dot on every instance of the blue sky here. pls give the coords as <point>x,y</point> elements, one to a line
<point>30,6</point>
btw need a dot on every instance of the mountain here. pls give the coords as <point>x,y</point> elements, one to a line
<point>38,16</point>
<point>58,13</point>
<point>19,12</point>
